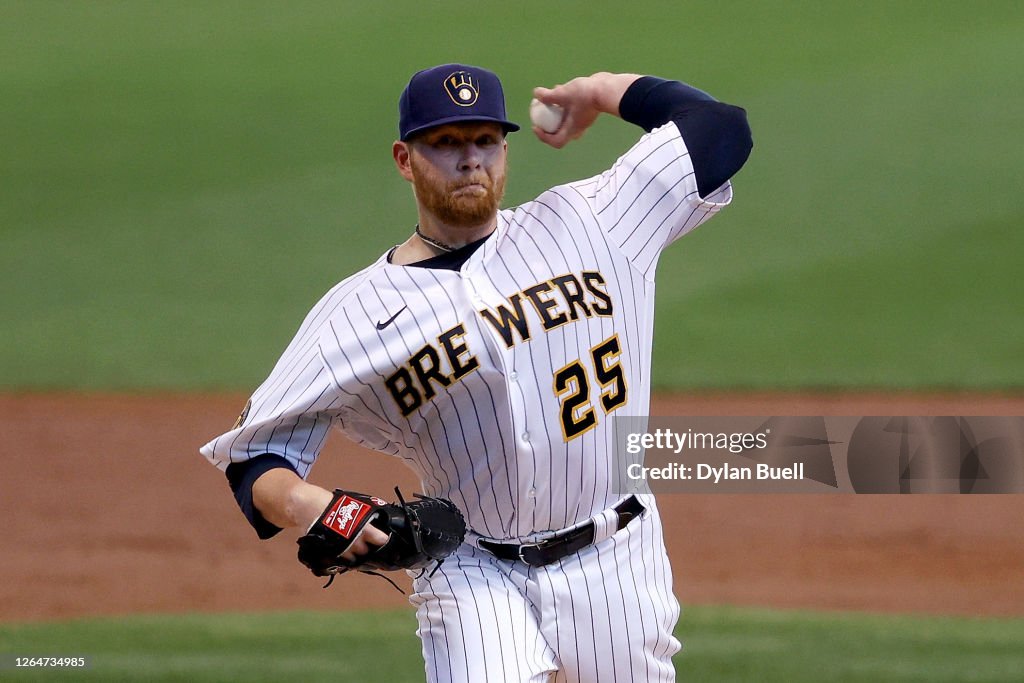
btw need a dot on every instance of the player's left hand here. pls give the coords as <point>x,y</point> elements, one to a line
<point>583,99</point>
<point>577,100</point>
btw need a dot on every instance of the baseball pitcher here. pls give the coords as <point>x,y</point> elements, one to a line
<point>489,352</point>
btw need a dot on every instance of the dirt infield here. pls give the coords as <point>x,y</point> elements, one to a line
<point>109,509</point>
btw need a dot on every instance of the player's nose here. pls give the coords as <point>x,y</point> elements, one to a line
<point>471,158</point>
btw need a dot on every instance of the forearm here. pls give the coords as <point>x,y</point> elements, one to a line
<point>273,497</point>
<point>285,500</point>
<point>607,89</point>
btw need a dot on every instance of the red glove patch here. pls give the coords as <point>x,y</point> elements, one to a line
<point>345,516</point>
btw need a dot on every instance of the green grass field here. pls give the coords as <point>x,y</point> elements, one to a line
<point>720,644</point>
<point>179,182</point>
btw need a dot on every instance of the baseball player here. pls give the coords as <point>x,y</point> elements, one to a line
<point>490,351</point>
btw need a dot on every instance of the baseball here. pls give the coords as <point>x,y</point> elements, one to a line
<point>547,117</point>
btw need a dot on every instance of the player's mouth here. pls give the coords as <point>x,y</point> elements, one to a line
<point>475,189</point>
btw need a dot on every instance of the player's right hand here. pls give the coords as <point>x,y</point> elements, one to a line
<point>369,536</point>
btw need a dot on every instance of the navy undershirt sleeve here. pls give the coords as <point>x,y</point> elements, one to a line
<point>241,477</point>
<point>716,134</point>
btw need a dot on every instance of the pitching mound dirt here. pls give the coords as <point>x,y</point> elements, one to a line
<point>109,509</point>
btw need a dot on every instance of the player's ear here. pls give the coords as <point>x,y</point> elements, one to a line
<point>401,151</point>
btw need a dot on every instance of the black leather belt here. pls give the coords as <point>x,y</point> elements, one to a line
<point>562,545</point>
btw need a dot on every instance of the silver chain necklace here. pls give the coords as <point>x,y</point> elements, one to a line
<point>446,248</point>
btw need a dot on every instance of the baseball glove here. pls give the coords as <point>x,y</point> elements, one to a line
<point>421,532</point>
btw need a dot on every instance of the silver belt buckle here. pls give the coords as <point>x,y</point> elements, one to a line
<point>522,548</point>
<point>539,545</point>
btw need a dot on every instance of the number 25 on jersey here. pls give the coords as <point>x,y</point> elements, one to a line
<point>572,386</point>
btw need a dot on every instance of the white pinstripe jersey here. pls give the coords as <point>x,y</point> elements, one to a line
<point>495,382</point>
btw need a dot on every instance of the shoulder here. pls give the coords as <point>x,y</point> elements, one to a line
<point>346,290</point>
<point>562,206</point>
<point>334,305</point>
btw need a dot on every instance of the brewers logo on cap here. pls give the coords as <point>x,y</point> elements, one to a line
<point>462,88</point>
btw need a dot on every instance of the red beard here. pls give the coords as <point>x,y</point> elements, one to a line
<point>466,209</point>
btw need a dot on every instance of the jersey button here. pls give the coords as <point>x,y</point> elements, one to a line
<point>526,436</point>
<point>512,376</point>
<point>532,493</point>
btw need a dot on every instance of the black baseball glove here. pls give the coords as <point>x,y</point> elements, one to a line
<point>422,532</point>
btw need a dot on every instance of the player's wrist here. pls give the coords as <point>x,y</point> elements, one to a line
<point>306,502</point>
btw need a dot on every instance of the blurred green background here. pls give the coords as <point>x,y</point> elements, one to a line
<point>721,644</point>
<point>179,182</point>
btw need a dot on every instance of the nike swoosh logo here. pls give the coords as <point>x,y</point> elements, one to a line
<point>382,325</point>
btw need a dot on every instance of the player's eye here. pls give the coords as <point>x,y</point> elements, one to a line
<point>444,141</point>
<point>486,140</point>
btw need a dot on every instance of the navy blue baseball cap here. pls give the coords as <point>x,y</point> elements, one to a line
<point>451,93</point>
